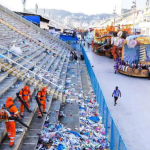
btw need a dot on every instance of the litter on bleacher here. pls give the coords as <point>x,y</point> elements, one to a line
<point>16,50</point>
<point>91,136</point>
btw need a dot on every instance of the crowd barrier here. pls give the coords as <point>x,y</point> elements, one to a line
<point>112,132</point>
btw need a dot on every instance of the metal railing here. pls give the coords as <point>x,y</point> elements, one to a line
<point>25,77</point>
<point>111,129</point>
<point>35,74</point>
<point>47,34</point>
<point>40,68</point>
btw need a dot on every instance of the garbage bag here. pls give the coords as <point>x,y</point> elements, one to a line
<point>75,133</point>
<point>16,50</point>
<point>61,147</point>
<point>94,119</point>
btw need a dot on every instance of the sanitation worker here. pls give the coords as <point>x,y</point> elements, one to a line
<point>10,125</point>
<point>42,96</point>
<point>24,94</point>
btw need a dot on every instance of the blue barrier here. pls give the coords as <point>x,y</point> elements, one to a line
<point>112,132</point>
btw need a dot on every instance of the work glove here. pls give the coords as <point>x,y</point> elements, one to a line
<point>30,110</point>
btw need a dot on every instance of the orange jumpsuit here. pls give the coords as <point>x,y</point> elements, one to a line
<point>10,125</point>
<point>25,95</point>
<point>42,95</point>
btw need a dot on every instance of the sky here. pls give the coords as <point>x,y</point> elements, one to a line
<point>85,6</point>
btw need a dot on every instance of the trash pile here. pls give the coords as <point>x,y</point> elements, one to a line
<point>91,136</point>
<point>91,132</point>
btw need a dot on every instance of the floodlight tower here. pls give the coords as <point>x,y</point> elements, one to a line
<point>147,5</point>
<point>133,7</point>
<point>114,13</point>
<point>43,12</point>
<point>24,5</point>
<point>36,8</point>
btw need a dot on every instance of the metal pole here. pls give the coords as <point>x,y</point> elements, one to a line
<point>134,7</point>
<point>121,7</point>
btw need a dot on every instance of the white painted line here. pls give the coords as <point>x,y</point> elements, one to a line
<point>35,129</point>
<point>29,143</point>
<point>32,136</point>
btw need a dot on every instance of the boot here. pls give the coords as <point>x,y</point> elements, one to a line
<point>11,144</point>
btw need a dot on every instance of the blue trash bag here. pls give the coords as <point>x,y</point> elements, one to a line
<point>75,133</point>
<point>61,147</point>
<point>94,119</point>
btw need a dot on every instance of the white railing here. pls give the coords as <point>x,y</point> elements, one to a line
<point>25,77</point>
<point>35,74</point>
<point>40,68</point>
<point>35,27</point>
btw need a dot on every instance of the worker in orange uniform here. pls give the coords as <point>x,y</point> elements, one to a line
<point>24,95</point>
<point>42,95</point>
<point>10,125</point>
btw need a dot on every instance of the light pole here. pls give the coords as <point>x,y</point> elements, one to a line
<point>36,8</point>
<point>147,5</point>
<point>133,7</point>
<point>24,5</point>
<point>43,12</point>
<point>114,13</point>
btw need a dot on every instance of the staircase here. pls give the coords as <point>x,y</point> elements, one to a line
<point>43,63</point>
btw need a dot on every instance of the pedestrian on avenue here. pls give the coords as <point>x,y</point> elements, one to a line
<point>116,94</point>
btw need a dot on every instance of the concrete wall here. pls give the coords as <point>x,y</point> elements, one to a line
<point>44,25</point>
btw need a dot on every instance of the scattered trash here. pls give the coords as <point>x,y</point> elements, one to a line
<point>90,134</point>
<point>19,130</point>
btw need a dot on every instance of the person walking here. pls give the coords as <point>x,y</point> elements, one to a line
<point>24,94</point>
<point>42,96</point>
<point>149,73</point>
<point>116,94</point>
<point>10,125</point>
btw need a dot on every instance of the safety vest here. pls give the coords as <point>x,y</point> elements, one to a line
<point>42,95</point>
<point>5,113</point>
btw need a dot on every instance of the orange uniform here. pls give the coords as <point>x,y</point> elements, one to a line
<point>10,125</point>
<point>42,95</point>
<point>24,94</point>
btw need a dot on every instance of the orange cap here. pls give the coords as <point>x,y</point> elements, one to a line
<point>26,88</point>
<point>44,89</point>
<point>9,101</point>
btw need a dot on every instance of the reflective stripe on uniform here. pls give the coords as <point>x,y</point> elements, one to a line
<point>11,140</point>
<point>26,95</point>
<point>10,120</point>
<point>16,112</point>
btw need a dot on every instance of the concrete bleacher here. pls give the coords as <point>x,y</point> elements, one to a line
<point>43,63</point>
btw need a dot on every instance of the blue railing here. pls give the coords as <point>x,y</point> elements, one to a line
<point>112,132</point>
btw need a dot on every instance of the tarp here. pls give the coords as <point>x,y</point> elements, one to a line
<point>34,19</point>
<point>68,38</point>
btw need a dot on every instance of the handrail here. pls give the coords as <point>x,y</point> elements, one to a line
<point>29,70</point>
<point>25,77</point>
<point>31,63</point>
<point>34,26</point>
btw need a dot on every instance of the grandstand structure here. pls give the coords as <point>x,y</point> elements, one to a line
<point>43,63</point>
